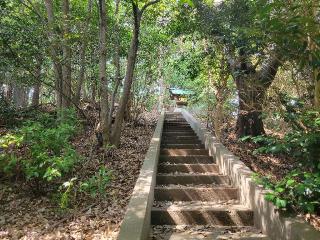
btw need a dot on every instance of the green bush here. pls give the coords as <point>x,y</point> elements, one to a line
<point>48,153</point>
<point>297,190</point>
<point>301,143</point>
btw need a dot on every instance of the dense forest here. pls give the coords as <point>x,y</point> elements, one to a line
<point>82,84</point>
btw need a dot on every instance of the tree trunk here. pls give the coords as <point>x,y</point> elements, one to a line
<point>36,95</point>
<point>66,50</point>
<point>104,101</point>
<point>117,78</point>
<point>54,52</point>
<point>317,94</point>
<point>9,93</point>
<point>249,120</point>
<point>252,86</point>
<point>36,87</point>
<point>132,56</point>
<point>20,96</point>
<point>161,83</point>
<point>128,79</point>
<point>83,49</point>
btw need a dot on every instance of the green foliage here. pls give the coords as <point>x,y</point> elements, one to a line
<point>302,143</point>
<point>96,185</point>
<point>66,190</point>
<point>297,190</point>
<point>46,151</point>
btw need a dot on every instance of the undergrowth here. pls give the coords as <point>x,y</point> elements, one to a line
<point>39,152</point>
<point>300,189</point>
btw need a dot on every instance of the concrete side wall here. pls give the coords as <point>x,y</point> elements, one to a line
<point>137,220</point>
<point>266,217</point>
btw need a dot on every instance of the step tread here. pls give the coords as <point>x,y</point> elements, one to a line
<point>183,146</point>
<point>201,206</point>
<point>178,174</point>
<point>188,164</point>
<point>187,194</point>
<point>185,232</point>
<point>182,187</point>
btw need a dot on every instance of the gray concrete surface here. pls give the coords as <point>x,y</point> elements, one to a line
<point>137,220</point>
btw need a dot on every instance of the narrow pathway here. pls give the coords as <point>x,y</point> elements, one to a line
<point>192,200</point>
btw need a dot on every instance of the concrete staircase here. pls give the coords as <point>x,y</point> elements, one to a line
<point>192,199</point>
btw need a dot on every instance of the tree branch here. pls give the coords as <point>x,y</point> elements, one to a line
<point>269,69</point>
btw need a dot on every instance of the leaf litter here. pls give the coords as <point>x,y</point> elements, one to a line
<point>25,215</point>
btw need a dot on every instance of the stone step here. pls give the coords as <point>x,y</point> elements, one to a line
<point>176,125</point>
<point>175,121</point>
<point>183,152</point>
<point>182,146</point>
<point>188,168</point>
<point>206,194</point>
<point>193,140</point>
<point>204,232</point>
<point>179,141</point>
<point>190,159</point>
<point>173,134</point>
<point>177,129</point>
<point>202,214</point>
<point>177,138</point>
<point>195,179</point>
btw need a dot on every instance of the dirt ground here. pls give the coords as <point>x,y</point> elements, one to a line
<point>26,215</point>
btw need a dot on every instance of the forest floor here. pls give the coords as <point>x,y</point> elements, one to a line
<point>26,215</point>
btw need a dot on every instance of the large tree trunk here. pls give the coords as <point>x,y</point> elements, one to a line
<point>252,86</point>
<point>66,50</point>
<point>104,101</point>
<point>251,97</point>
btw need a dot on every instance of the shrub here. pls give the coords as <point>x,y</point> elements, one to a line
<point>297,190</point>
<point>47,152</point>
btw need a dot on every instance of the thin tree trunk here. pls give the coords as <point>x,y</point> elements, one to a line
<point>36,95</point>
<point>83,49</point>
<point>36,87</point>
<point>117,78</point>
<point>161,83</point>
<point>66,50</point>
<point>104,101</point>
<point>128,79</point>
<point>132,56</point>
<point>54,52</point>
